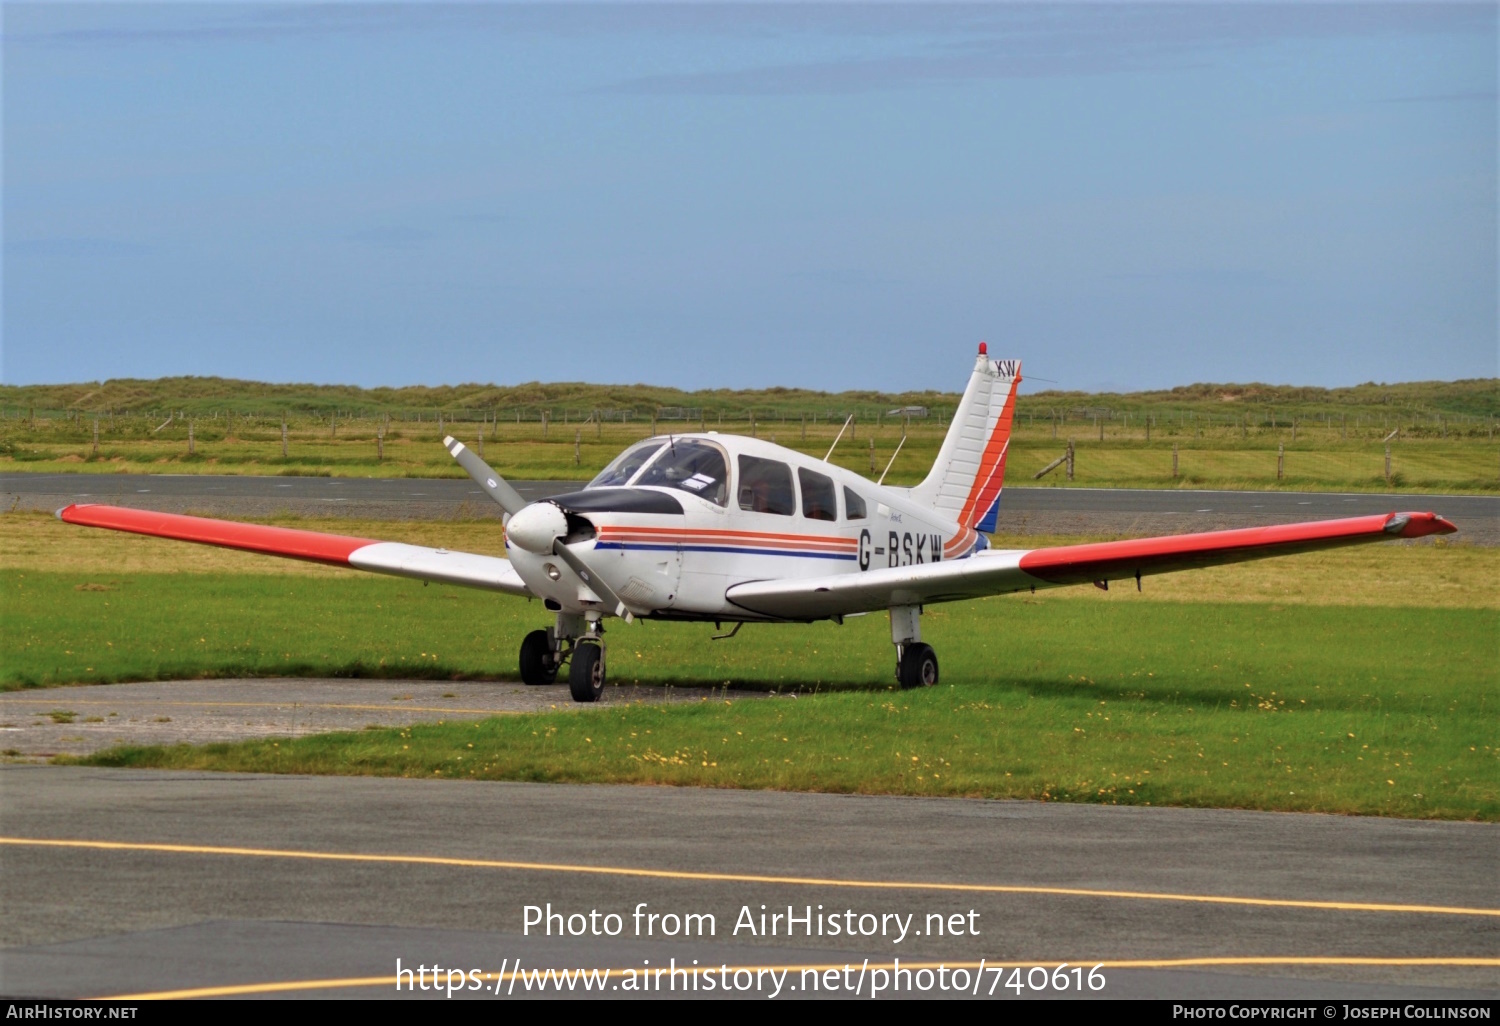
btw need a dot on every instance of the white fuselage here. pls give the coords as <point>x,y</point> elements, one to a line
<point>731,531</point>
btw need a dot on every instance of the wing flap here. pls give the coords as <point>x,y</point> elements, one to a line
<point>492,573</point>
<point>989,572</point>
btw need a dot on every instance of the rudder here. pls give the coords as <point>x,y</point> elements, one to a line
<point>965,481</point>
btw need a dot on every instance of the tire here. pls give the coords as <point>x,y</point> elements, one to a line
<point>537,666</point>
<point>919,666</point>
<point>586,674</point>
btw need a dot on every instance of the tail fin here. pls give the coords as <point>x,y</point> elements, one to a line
<point>964,483</point>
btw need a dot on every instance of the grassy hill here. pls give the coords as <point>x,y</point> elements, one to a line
<point>1459,401</point>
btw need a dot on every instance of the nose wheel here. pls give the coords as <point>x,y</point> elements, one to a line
<point>586,672</point>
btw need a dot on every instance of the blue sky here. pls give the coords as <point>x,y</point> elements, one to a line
<point>721,195</point>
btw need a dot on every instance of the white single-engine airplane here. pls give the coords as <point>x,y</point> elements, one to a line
<point>723,528</point>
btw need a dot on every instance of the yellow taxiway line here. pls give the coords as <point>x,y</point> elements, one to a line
<point>236,990</point>
<point>753,878</point>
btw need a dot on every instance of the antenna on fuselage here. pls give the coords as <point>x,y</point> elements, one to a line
<point>891,464</point>
<point>837,437</point>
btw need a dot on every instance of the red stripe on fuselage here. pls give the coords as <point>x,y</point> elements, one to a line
<point>275,541</point>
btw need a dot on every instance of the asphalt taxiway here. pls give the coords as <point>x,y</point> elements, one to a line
<point>132,882</point>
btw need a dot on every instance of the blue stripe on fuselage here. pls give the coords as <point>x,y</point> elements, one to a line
<point>805,554</point>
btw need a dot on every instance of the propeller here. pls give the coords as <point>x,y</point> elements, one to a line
<point>542,527</point>
<point>495,486</point>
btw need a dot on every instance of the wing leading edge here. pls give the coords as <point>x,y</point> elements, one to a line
<point>997,571</point>
<point>492,573</point>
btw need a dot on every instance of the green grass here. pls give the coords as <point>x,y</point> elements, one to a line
<point>1322,456</point>
<point>1057,697</point>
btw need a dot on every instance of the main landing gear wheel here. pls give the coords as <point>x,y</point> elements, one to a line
<point>919,668</point>
<point>586,674</point>
<point>537,661</point>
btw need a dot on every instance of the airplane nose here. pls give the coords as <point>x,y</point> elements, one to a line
<point>535,527</point>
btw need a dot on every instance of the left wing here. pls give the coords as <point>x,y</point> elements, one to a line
<point>997,571</point>
<point>425,564</point>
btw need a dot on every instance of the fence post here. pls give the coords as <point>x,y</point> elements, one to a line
<point>1280,460</point>
<point>481,440</point>
<point>804,427</point>
<point>544,423</point>
<point>1100,422</point>
<point>1294,429</point>
<point>1148,427</point>
<point>283,436</point>
<point>872,454</point>
<point>1388,465</point>
<point>752,423</point>
<point>96,434</point>
<point>1070,459</point>
<point>653,422</point>
<point>1174,460</point>
<point>577,446</point>
<point>190,438</point>
<point>380,443</point>
<point>1245,427</point>
<point>598,425</point>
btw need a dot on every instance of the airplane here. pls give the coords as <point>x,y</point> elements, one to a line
<point>721,528</point>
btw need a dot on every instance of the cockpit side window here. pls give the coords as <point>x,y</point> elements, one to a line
<point>854,506</point>
<point>625,465</point>
<point>691,465</point>
<point>819,499</point>
<point>766,487</point>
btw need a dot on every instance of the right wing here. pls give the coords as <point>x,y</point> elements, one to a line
<point>998,571</point>
<point>418,561</point>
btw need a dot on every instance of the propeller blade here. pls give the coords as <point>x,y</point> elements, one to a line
<point>593,580</point>
<point>495,486</point>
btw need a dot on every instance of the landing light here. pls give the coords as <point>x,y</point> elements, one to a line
<point>552,571</point>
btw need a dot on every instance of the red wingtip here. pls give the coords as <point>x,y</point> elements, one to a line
<point>983,349</point>
<point>1418,525</point>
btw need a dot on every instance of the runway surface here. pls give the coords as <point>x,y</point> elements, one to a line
<point>255,881</point>
<point>1022,510</point>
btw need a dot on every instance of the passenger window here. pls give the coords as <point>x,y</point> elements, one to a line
<point>766,487</point>
<point>854,506</point>
<point>819,499</point>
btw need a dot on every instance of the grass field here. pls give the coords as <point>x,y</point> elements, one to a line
<point>1441,434</point>
<point>1361,680</point>
<point>1318,454</point>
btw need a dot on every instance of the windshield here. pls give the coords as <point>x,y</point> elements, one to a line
<point>625,465</point>
<point>691,465</point>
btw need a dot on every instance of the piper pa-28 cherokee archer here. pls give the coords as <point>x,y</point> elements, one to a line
<point>723,528</point>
